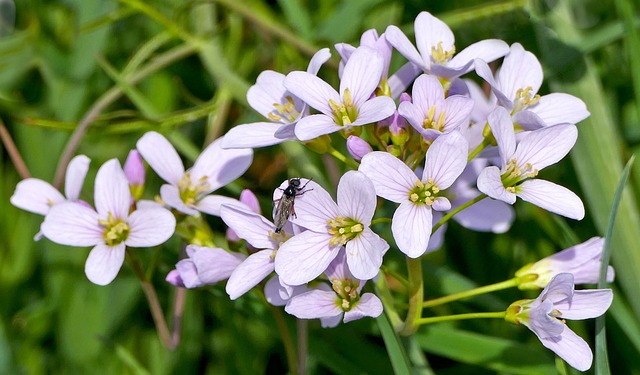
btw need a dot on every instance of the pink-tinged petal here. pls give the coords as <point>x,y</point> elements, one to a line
<point>541,323</point>
<point>364,254</point>
<point>104,263</point>
<point>314,304</point>
<point>134,169</point>
<point>585,304</point>
<point>112,194</point>
<point>520,69</point>
<point>249,273</point>
<point>357,147</point>
<point>318,59</point>
<point>249,226</point>
<point>74,178</point>
<point>35,196</point>
<point>450,72</point>
<point>487,50</point>
<point>72,224</point>
<point>214,264</point>
<point>339,269</point>
<point>275,293</point>
<point>392,179</point>
<point>484,71</point>
<point>427,92</point>
<point>312,90</point>
<point>546,146</point>
<point>488,215</point>
<point>571,348</point>
<point>413,114</point>
<point>528,120</point>
<point>457,109</point>
<point>314,207</point>
<point>150,227</point>
<point>446,159</point>
<point>173,278</point>
<point>489,182</point>
<point>357,197</point>
<point>430,32</point>
<point>220,166</point>
<point>258,134</point>
<point>374,110</point>
<point>286,132</point>
<point>502,129</point>
<point>369,305</point>
<point>560,288</point>
<point>553,198</point>
<point>400,42</point>
<point>188,273</point>
<point>310,127</point>
<point>559,108</point>
<point>249,198</point>
<point>212,204</point>
<point>145,203</point>
<point>441,204</point>
<point>330,322</point>
<point>362,74</point>
<point>269,89</point>
<point>411,227</point>
<point>161,157</point>
<point>304,257</point>
<point>171,196</point>
<point>403,78</point>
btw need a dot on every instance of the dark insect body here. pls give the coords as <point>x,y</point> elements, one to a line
<point>285,205</point>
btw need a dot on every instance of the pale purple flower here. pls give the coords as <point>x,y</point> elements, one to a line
<point>436,49</point>
<point>272,100</point>
<point>352,106</point>
<point>357,147</point>
<point>546,315</point>
<point>395,181</point>
<point>430,113</point>
<point>134,169</point>
<point>188,191</point>
<point>38,196</point>
<point>521,164</point>
<point>342,299</point>
<point>204,266</point>
<point>331,227</point>
<point>248,198</point>
<point>110,228</point>
<point>516,86</point>
<point>582,261</point>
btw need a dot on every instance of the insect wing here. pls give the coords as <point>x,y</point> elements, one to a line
<point>283,210</point>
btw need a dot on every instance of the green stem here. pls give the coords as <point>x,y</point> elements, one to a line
<point>303,343</point>
<point>338,155</point>
<point>476,151</point>
<point>451,213</point>
<point>448,318</point>
<point>287,342</point>
<point>381,220</point>
<point>473,292</point>
<point>382,291</point>
<point>416,296</point>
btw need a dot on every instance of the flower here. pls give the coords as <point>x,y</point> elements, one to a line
<point>248,198</point>
<point>271,98</point>
<point>188,192</point>
<point>352,106</point>
<point>546,315</point>
<point>38,196</point>
<point>357,147</point>
<point>582,261</point>
<point>110,228</point>
<point>516,86</point>
<point>204,266</point>
<point>395,181</point>
<point>520,164</point>
<point>343,299</point>
<point>330,227</point>
<point>134,170</point>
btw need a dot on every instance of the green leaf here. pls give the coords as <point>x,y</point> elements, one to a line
<point>395,350</point>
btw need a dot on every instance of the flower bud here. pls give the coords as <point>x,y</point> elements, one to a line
<point>357,147</point>
<point>134,170</point>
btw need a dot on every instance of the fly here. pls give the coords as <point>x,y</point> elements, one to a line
<point>285,205</point>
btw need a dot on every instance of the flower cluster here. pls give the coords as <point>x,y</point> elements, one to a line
<point>444,150</point>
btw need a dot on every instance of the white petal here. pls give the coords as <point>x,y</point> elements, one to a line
<point>310,127</point>
<point>357,197</point>
<point>112,194</point>
<point>484,71</point>
<point>402,78</point>
<point>250,226</point>
<point>258,134</point>
<point>411,228</point>
<point>312,90</point>
<point>314,304</point>
<point>368,305</point>
<point>104,263</point>
<point>400,42</point>
<point>35,196</point>
<point>457,109</point>
<point>502,129</point>
<point>528,120</point>
<point>72,224</point>
<point>171,196</point>
<point>313,207</point>
<point>585,304</point>
<point>304,257</point>
<point>161,156</point>
<point>74,178</point>
<point>441,204</point>
<point>487,50</point>
<point>572,348</point>
<point>520,69</point>
<point>488,215</point>
<point>489,182</point>
<point>221,166</point>
<point>391,178</point>
<point>375,109</point>
<point>446,159</point>
<point>249,273</point>
<point>268,90</point>
<point>430,32</point>
<point>361,74</point>
<point>413,114</point>
<point>364,254</point>
<point>427,92</point>
<point>546,146</point>
<point>553,198</point>
<point>318,59</point>
<point>558,108</point>
<point>150,227</point>
<point>212,204</point>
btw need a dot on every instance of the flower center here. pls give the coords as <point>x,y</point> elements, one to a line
<point>347,291</point>
<point>344,113</point>
<point>286,113</point>
<point>344,229</point>
<point>431,122</point>
<point>424,194</point>
<point>514,174</point>
<point>440,56</point>
<point>116,231</point>
<point>190,192</point>
<point>524,98</point>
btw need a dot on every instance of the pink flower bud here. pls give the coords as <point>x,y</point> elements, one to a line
<point>134,169</point>
<point>357,147</point>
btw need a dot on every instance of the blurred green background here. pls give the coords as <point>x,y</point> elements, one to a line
<point>183,68</point>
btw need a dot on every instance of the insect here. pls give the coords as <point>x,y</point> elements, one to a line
<point>285,205</point>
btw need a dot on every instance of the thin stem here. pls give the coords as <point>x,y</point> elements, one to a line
<point>448,318</point>
<point>473,292</point>
<point>13,152</point>
<point>338,155</point>
<point>451,213</point>
<point>476,151</point>
<point>416,295</point>
<point>287,342</point>
<point>303,343</point>
<point>178,312</point>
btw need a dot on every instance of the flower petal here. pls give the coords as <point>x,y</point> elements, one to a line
<point>269,89</point>
<point>553,198</point>
<point>74,178</point>
<point>484,71</point>
<point>488,215</point>
<point>432,33</point>
<point>161,157</point>
<point>314,304</point>
<point>317,60</point>
<point>446,159</point>
<point>171,196</point>
<point>502,129</point>
<point>249,273</point>
<point>357,197</point>
<point>304,257</point>
<point>368,305</point>
<point>411,227</point>
<point>364,254</point>
<point>250,226</point>
<point>313,206</point>
<point>392,179</point>
<point>112,194</point>
<point>214,264</point>
<point>188,273</point>
<point>402,78</point>
<point>35,196</point>
<point>571,348</point>
<point>546,146</point>
<point>374,110</point>
<point>361,74</point>
<point>400,42</point>
<point>220,166</point>
<point>212,204</point>
<point>559,108</point>
<point>150,227</point>
<point>427,92</point>
<point>520,70</point>
<point>489,182</point>
<point>312,90</point>
<point>72,224</point>
<point>487,50</point>
<point>585,304</point>
<point>457,109</point>
<point>104,263</point>
<point>313,126</point>
<point>257,134</point>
